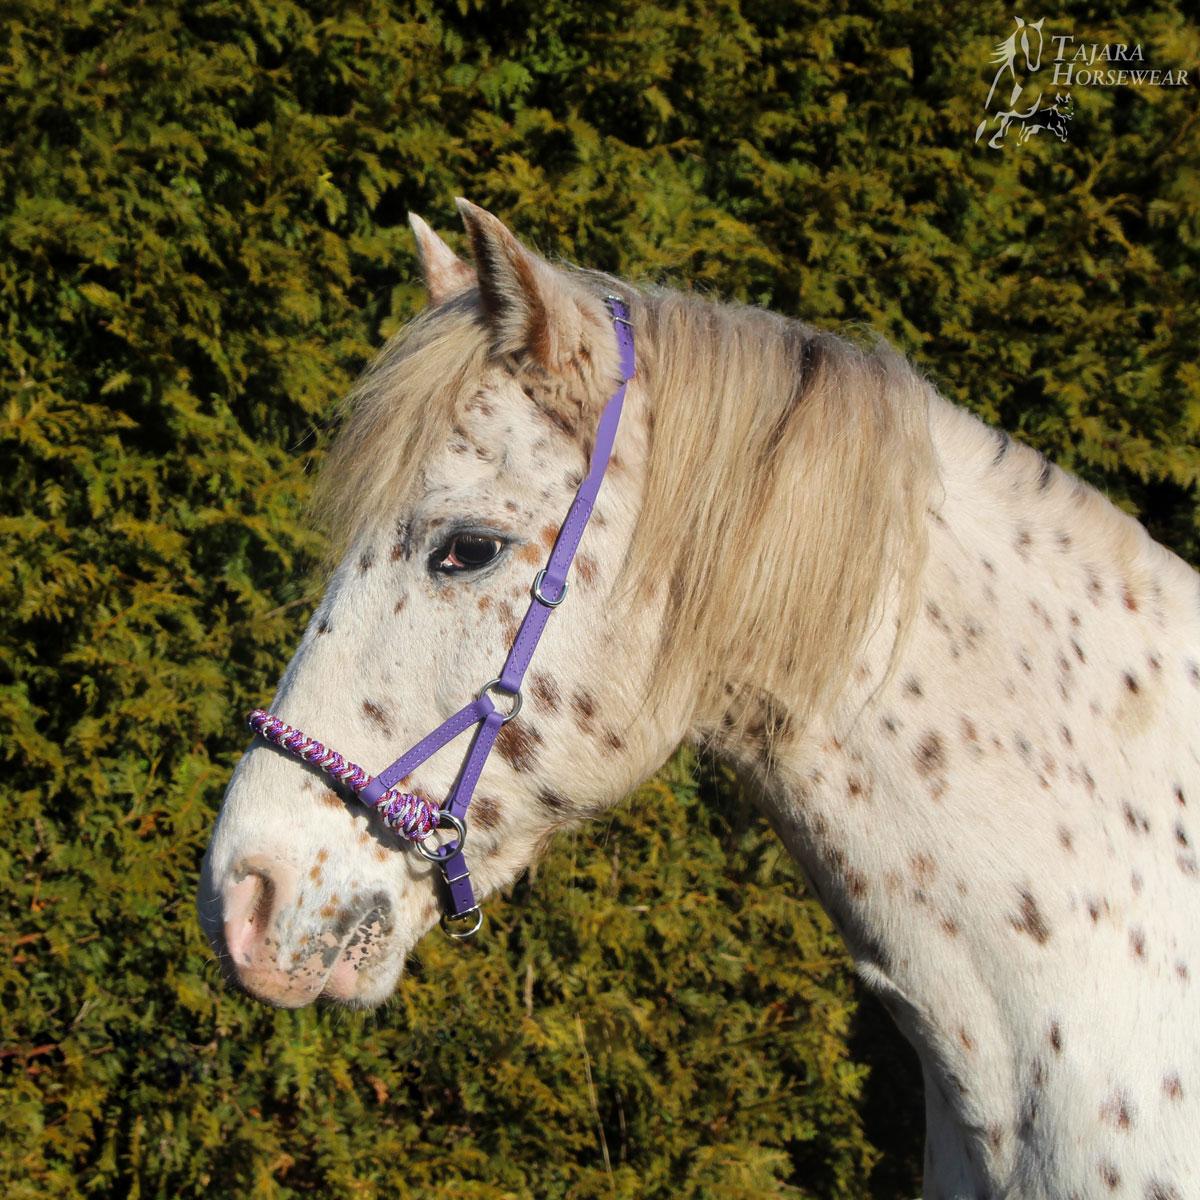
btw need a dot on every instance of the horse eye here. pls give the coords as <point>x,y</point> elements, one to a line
<point>466,552</point>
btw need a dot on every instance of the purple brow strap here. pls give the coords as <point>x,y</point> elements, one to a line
<point>411,816</point>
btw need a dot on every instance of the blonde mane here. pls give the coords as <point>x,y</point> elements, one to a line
<point>786,492</point>
<point>789,472</point>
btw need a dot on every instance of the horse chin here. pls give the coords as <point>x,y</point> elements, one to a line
<point>351,984</point>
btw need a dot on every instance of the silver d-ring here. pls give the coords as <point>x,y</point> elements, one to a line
<point>498,686</point>
<point>537,591</point>
<point>449,848</point>
<point>461,935</point>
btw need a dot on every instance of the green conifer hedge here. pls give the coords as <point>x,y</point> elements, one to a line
<point>202,241</point>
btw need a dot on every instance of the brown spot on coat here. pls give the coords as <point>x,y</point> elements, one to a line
<point>552,802</point>
<point>585,565</point>
<point>613,741</point>
<point>931,754</point>
<point>518,745</point>
<point>375,714</point>
<point>1137,942</point>
<point>924,868</point>
<point>584,706</point>
<point>549,536</point>
<point>1137,821</point>
<point>1030,919</point>
<point>1173,1087</point>
<point>544,691</point>
<point>1117,1111</point>
<point>1156,1189</point>
<point>399,606</point>
<point>323,628</point>
<point>1110,1175</point>
<point>1056,1037</point>
<point>485,811</point>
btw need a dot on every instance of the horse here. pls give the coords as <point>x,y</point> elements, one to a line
<point>961,684</point>
<point>1005,55</point>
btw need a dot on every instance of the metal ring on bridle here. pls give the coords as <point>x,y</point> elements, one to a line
<point>499,687</point>
<point>536,591</point>
<point>465,933</point>
<point>449,848</point>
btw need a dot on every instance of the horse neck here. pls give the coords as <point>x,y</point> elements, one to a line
<point>964,817</point>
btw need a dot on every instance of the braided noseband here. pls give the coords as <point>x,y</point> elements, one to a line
<point>406,814</point>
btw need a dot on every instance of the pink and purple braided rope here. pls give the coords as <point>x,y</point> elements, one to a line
<point>406,814</point>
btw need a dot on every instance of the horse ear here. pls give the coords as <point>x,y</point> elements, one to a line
<point>445,273</point>
<point>533,308</point>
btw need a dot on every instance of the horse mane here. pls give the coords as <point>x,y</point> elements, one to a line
<point>788,476</point>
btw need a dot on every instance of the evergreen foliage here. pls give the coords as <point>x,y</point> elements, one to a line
<point>202,241</point>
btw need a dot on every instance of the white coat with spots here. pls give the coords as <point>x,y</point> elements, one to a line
<point>997,808</point>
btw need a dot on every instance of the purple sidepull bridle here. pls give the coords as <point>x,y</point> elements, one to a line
<point>412,817</point>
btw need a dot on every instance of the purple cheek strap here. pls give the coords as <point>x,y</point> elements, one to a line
<point>412,817</point>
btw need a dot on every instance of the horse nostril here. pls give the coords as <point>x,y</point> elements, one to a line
<point>249,903</point>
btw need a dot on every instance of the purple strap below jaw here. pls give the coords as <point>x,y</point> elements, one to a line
<point>549,590</point>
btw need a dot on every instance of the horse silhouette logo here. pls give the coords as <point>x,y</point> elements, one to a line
<point>1017,58</point>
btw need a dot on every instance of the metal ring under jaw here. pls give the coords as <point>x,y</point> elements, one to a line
<point>495,684</point>
<point>443,852</point>
<point>541,597</point>
<point>463,934</point>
